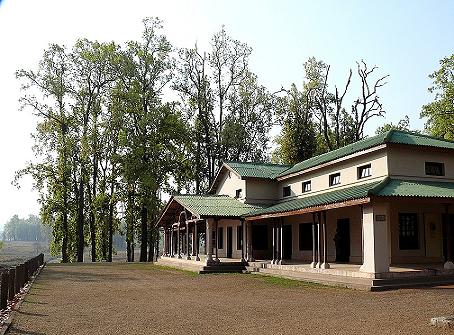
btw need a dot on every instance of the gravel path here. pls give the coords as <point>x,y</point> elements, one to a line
<point>143,299</point>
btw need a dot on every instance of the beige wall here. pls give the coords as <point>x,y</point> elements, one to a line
<point>349,175</point>
<point>224,224</point>
<point>429,228</point>
<point>409,162</point>
<point>261,191</point>
<point>230,182</point>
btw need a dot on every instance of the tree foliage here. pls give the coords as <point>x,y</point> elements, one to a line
<point>440,112</point>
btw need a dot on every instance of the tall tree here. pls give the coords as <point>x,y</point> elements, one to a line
<point>440,112</point>
<point>298,139</point>
<point>46,93</point>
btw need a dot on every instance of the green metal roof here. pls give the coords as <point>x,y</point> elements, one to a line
<point>257,170</point>
<point>214,205</point>
<point>392,136</point>
<point>387,187</point>
<point>412,188</point>
<point>348,193</point>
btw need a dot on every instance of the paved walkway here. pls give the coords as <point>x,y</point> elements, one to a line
<point>144,299</point>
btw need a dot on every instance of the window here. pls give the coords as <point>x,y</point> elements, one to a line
<point>286,191</point>
<point>238,193</point>
<point>305,236</point>
<point>408,231</point>
<point>364,171</point>
<point>221,238</point>
<point>306,186</point>
<point>239,237</point>
<point>335,179</point>
<point>435,169</point>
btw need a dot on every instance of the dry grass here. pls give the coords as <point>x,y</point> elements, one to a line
<point>145,299</point>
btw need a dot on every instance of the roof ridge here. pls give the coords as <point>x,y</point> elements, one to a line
<point>258,163</point>
<point>409,132</point>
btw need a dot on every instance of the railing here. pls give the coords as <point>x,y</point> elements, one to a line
<point>12,280</point>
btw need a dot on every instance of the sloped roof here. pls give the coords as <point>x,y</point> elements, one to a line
<point>257,170</point>
<point>392,136</point>
<point>413,188</point>
<point>340,195</point>
<point>387,187</point>
<point>214,205</point>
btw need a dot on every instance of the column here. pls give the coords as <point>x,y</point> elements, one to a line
<point>216,221</point>
<point>194,239</point>
<point>314,262</point>
<point>325,264</point>
<point>179,240</point>
<point>208,243</point>
<point>242,241</point>
<point>375,235</point>
<point>250,257</point>
<point>274,243</point>
<point>319,247</point>
<point>281,242</point>
<point>171,242</point>
<point>196,244</point>
<point>188,254</point>
<point>449,265</point>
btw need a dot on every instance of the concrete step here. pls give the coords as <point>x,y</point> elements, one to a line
<point>397,283</point>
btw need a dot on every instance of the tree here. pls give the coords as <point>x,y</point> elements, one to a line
<point>298,139</point>
<point>154,131</point>
<point>403,124</point>
<point>230,113</point>
<point>440,112</point>
<point>335,125</point>
<point>46,93</point>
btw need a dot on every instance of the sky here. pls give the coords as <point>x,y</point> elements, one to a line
<point>405,39</point>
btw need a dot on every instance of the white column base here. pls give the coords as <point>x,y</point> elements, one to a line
<point>448,265</point>
<point>197,258</point>
<point>325,266</point>
<point>313,265</point>
<point>242,260</point>
<point>179,257</point>
<point>188,258</point>
<point>251,259</point>
<point>318,265</point>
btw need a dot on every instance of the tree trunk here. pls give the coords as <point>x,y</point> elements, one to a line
<point>80,222</point>
<point>144,233</point>
<point>151,246</point>
<point>110,228</point>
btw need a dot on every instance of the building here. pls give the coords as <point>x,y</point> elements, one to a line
<point>380,208</point>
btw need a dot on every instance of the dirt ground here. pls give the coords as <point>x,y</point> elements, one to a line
<point>145,299</point>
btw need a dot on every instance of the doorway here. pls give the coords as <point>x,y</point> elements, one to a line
<point>342,241</point>
<point>287,241</point>
<point>229,242</point>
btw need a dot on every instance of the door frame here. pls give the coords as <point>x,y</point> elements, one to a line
<point>229,247</point>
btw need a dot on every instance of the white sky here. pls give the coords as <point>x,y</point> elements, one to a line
<point>405,40</point>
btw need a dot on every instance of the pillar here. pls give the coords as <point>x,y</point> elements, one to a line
<point>209,243</point>
<point>314,262</point>
<point>319,246</point>
<point>242,241</point>
<point>196,244</point>
<point>171,242</point>
<point>325,264</point>
<point>449,265</point>
<point>274,243</point>
<point>281,242</point>
<point>376,240</point>
<point>216,221</point>
<point>188,254</point>
<point>194,239</point>
<point>248,229</point>
<point>179,241</point>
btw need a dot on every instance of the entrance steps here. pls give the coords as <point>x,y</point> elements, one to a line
<point>224,267</point>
